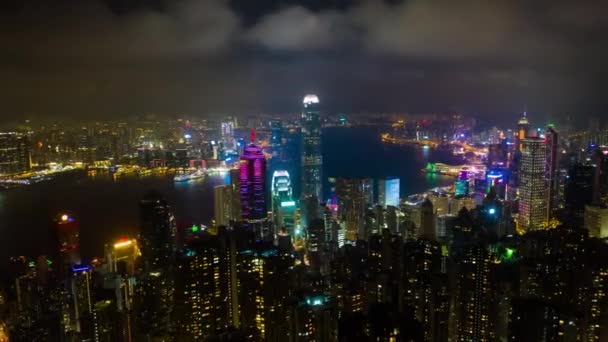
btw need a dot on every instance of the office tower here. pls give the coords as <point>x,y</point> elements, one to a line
<point>14,153</point>
<point>66,231</point>
<point>523,125</point>
<point>351,205</point>
<point>551,171</point>
<point>578,192</point>
<point>122,256</point>
<point>155,293</point>
<point>198,300</point>
<point>252,180</point>
<point>596,221</point>
<point>283,205</point>
<point>312,159</point>
<point>158,233</point>
<point>222,205</point>
<point>82,314</point>
<point>388,192</point>
<point>532,188</point>
<point>474,295</point>
<point>428,220</point>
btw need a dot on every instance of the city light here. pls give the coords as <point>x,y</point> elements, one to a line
<point>123,244</point>
<point>288,204</point>
<point>65,217</point>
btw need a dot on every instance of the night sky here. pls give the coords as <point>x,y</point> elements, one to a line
<point>97,59</point>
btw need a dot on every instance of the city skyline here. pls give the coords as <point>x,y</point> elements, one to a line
<point>303,171</point>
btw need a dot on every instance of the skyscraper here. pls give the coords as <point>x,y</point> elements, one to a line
<point>222,205</point>
<point>532,189</point>
<point>82,305</point>
<point>551,171</point>
<point>351,205</point>
<point>14,153</point>
<point>283,205</point>
<point>67,233</point>
<point>253,188</point>
<point>198,296</point>
<point>312,159</point>
<point>388,192</point>
<point>578,192</point>
<point>523,125</point>
<point>156,289</point>
<point>428,220</point>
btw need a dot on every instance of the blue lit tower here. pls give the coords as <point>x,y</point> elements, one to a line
<point>312,159</point>
<point>253,185</point>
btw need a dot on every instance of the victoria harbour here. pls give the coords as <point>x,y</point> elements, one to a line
<point>108,208</point>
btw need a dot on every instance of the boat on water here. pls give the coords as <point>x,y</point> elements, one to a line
<point>185,177</point>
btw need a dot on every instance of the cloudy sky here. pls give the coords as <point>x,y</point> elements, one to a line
<point>109,58</point>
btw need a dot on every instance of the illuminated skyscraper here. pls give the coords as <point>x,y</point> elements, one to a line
<point>253,189</point>
<point>532,187</point>
<point>222,205</point>
<point>388,192</point>
<point>283,205</point>
<point>82,305</point>
<point>67,233</point>
<point>312,159</point>
<point>122,256</point>
<point>351,193</point>
<point>14,153</point>
<point>199,294</point>
<point>523,125</point>
<point>263,276</point>
<point>474,295</point>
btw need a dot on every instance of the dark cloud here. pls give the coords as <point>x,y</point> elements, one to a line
<point>107,58</point>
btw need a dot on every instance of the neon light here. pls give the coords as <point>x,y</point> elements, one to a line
<point>288,204</point>
<point>492,211</point>
<point>194,228</point>
<point>308,99</point>
<point>509,252</point>
<point>80,268</point>
<point>123,244</point>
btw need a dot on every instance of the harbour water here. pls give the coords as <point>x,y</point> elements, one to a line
<point>108,209</point>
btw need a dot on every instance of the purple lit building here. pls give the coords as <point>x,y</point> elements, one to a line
<point>253,184</point>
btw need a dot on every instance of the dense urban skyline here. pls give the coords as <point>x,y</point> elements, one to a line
<point>107,59</point>
<point>303,171</point>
